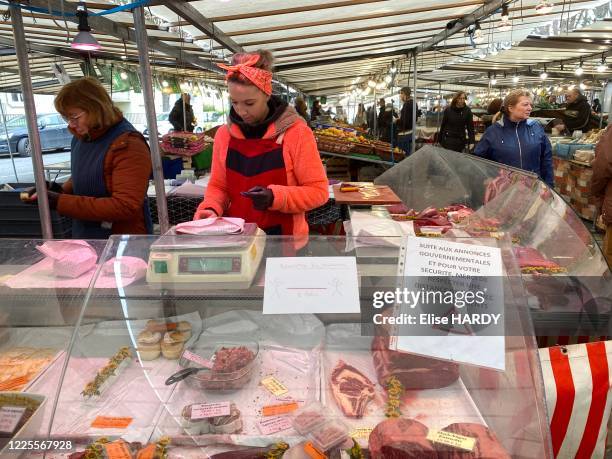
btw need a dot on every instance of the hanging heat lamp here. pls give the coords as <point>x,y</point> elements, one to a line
<point>84,40</point>
<point>579,70</point>
<point>602,67</point>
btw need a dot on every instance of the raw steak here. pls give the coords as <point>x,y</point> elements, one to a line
<point>487,446</point>
<point>413,371</point>
<point>528,256</point>
<point>401,439</point>
<point>352,389</point>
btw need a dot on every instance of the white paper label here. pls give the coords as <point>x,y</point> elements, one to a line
<point>10,417</point>
<point>197,359</point>
<point>465,268</point>
<point>210,410</point>
<point>311,285</point>
<point>272,425</point>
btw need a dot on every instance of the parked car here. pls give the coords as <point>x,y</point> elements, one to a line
<point>53,131</point>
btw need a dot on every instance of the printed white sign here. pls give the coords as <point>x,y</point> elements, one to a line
<point>197,359</point>
<point>472,276</point>
<point>311,285</point>
<point>269,426</point>
<point>210,410</point>
<point>10,417</point>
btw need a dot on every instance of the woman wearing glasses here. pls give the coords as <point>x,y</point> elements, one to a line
<point>110,166</point>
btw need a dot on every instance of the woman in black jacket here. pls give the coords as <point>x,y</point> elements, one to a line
<point>457,119</point>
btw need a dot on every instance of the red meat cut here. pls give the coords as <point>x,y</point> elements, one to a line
<point>413,371</point>
<point>401,438</point>
<point>528,256</point>
<point>487,446</point>
<point>352,389</point>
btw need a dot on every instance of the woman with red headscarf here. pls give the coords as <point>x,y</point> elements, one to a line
<point>266,166</point>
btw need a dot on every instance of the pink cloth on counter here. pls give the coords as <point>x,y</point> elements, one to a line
<point>70,258</point>
<point>126,267</point>
<point>211,225</point>
<point>41,275</point>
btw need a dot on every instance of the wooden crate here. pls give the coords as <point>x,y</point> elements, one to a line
<point>337,168</point>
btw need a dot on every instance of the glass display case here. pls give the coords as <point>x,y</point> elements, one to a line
<point>40,303</point>
<point>178,358</point>
<point>568,281</point>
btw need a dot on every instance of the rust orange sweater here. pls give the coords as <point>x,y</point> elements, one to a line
<point>127,168</point>
<point>307,186</point>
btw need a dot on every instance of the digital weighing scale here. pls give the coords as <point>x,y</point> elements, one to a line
<point>217,261</point>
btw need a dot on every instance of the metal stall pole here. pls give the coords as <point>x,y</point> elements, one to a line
<point>8,142</point>
<point>375,130</point>
<point>31,119</point>
<point>147,91</point>
<point>184,111</point>
<point>414,103</point>
<point>439,108</point>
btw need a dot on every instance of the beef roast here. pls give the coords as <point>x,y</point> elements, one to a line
<point>487,446</point>
<point>352,389</point>
<point>413,371</point>
<point>401,439</point>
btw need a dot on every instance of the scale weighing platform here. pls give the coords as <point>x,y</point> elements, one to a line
<point>217,261</point>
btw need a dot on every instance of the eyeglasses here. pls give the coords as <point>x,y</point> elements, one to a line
<point>73,119</point>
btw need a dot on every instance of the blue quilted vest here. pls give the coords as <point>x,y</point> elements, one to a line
<point>87,163</point>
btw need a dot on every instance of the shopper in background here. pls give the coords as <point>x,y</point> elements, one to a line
<point>385,124</point>
<point>577,112</point>
<point>266,167</point>
<point>405,123</point>
<point>493,112</point>
<point>596,106</point>
<point>456,121</point>
<point>601,187</point>
<point>301,108</point>
<point>517,141</point>
<point>371,117</point>
<point>180,121</point>
<point>360,118</point>
<point>110,166</point>
<point>380,115</point>
<point>316,110</point>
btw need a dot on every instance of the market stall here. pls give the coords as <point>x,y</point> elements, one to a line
<point>245,380</point>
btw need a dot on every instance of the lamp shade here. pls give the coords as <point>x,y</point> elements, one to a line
<point>85,41</point>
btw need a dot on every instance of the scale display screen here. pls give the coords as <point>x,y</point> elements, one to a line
<point>209,265</point>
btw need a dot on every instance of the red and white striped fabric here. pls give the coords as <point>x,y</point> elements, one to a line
<point>578,384</point>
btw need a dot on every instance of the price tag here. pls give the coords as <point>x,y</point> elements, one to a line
<point>147,453</point>
<point>276,410</point>
<point>451,439</point>
<point>197,359</point>
<point>106,422</point>
<point>210,410</point>
<point>10,417</point>
<point>269,426</point>
<point>313,452</point>
<point>362,432</point>
<point>117,450</point>
<point>274,386</point>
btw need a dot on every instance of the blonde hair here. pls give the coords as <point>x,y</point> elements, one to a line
<point>265,62</point>
<point>91,97</point>
<point>512,99</point>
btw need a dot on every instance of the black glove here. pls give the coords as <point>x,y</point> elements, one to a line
<point>53,199</point>
<point>262,197</point>
<point>51,186</point>
<point>54,186</point>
